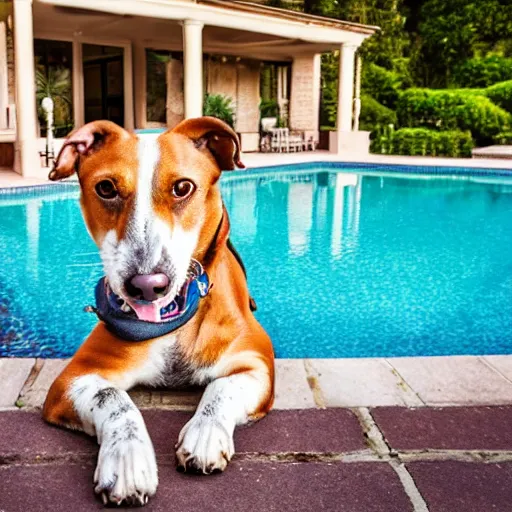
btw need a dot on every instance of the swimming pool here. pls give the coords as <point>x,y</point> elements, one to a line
<point>343,260</point>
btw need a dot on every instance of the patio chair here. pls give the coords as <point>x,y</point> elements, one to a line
<point>310,144</point>
<point>295,141</point>
<point>277,143</point>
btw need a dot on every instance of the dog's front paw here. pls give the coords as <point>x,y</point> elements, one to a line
<point>126,471</point>
<point>204,446</point>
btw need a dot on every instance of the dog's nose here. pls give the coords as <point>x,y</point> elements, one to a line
<point>147,286</point>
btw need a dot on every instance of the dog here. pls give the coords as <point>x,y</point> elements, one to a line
<point>174,307</point>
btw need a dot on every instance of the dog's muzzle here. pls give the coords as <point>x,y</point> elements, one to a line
<point>142,320</point>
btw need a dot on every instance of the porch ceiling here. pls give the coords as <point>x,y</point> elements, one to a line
<point>62,22</point>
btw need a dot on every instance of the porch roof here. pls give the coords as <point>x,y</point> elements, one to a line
<point>231,26</point>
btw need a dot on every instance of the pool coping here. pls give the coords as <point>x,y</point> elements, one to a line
<point>437,381</point>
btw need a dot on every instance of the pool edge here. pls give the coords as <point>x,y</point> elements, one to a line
<point>437,381</point>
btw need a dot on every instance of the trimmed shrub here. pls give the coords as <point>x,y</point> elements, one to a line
<point>373,115</point>
<point>381,84</point>
<point>501,94</point>
<point>424,142</point>
<point>452,110</point>
<point>504,138</point>
<point>483,72</point>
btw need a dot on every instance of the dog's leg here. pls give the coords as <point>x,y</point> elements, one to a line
<point>205,443</point>
<point>86,397</point>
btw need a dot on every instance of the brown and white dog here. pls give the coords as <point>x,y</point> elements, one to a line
<point>151,206</point>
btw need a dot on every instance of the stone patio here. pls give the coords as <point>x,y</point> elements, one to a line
<point>337,459</point>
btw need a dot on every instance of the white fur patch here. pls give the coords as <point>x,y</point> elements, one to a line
<point>149,155</point>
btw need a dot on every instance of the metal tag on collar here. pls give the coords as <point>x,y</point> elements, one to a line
<point>201,278</point>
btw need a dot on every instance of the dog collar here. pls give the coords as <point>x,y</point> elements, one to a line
<point>124,322</point>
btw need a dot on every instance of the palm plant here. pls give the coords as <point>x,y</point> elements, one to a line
<point>217,105</point>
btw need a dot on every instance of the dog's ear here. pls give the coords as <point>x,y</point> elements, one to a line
<point>217,136</point>
<point>82,143</point>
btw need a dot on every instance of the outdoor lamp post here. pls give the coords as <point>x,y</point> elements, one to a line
<point>47,105</point>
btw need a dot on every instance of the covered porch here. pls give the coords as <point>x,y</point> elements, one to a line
<point>149,64</point>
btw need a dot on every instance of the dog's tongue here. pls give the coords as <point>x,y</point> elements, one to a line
<point>148,312</point>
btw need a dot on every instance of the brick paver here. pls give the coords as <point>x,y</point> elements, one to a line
<point>451,428</point>
<point>451,486</point>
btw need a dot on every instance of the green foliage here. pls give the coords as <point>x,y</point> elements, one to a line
<point>483,72</point>
<point>269,108</point>
<point>448,33</point>
<point>424,142</point>
<point>217,105</point>
<point>504,138</point>
<point>501,94</point>
<point>382,84</point>
<point>374,116</point>
<point>452,110</point>
<point>329,91</point>
<point>55,83</point>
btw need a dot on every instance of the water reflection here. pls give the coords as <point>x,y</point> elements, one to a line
<point>308,207</point>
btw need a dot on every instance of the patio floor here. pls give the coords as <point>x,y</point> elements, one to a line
<point>378,459</point>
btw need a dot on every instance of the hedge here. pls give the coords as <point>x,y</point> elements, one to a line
<point>483,72</point>
<point>452,110</point>
<point>374,115</point>
<point>424,142</point>
<point>504,138</point>
<point>501,94</point>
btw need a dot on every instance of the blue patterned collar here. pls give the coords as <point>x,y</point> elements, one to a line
<point>124,323</point>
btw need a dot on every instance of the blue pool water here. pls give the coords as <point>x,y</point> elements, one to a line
<point>343,262</point>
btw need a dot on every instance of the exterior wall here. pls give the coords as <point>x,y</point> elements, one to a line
<point>240,82</point>
<point>175,96</point>
<point>248,97</point>
<point>222,79</point>
<point>305,94</point>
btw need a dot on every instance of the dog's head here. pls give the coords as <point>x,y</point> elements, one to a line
<point>151,204</point>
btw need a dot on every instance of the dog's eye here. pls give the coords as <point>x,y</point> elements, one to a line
<point>106,189</point>
<point>183,188</point>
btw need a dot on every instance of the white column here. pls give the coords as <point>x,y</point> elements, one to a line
<point>357,98</point>
<point>29,162</point>
<point>193,67</point>
<point>78,85</point>
<point>346,88</point>
<point>4,88</point>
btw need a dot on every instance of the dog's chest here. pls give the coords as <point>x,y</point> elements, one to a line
<point>166,366</point>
